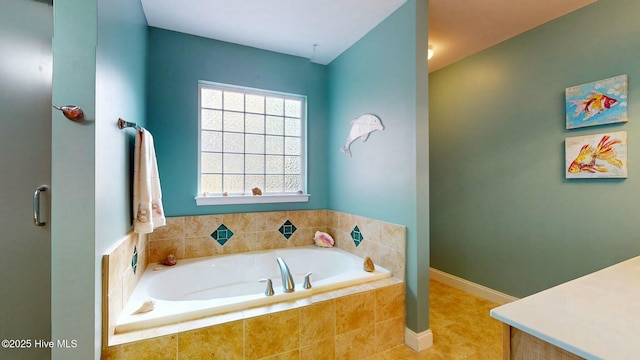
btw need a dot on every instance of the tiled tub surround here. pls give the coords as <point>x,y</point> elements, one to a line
<point>351,323</point>
<point>192,236</point>
<point>122,268</point>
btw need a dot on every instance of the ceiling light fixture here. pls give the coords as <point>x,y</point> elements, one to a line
<point>430,52</point>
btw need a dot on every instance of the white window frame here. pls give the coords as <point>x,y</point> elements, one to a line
<point>203,199</point>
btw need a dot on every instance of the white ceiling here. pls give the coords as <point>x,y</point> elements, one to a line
<point>322,30</point>
<point>459,28</point>
<point>286,26</point>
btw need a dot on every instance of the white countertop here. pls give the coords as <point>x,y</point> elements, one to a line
<point>596,316</point>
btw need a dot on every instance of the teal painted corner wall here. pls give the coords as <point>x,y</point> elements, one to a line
<point>99,49</point>
<point>502,213</point>
<point>120,92</point>
<point>379,75</point>
<point>176,63</point>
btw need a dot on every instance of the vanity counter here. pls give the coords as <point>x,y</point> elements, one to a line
<point>596,316</point>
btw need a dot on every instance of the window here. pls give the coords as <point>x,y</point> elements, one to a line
<point>250,138</point>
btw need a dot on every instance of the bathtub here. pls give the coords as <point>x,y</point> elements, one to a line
<point>201,287</point>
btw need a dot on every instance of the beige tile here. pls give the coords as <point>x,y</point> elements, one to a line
<point>302,237</point>
<point>270,240</point>
<point>393,260</point>
<point>390,302</point>
<point>344,241</point>
<point>241,242</point>
<point>143,256</point>
<point>318,322</point>
<point>201,226</point>
<point>346,222</point>
<point>117,263</point>
<point>368,248</point>
<point>241,222</point>
<point>271,334</point>
<point>332,219</point>
<point>160,249</point>
<point>307,218</point>
<point>370,228</point>
<point>162,348</point>
<point>389,333</point>
<point>357,344</point>
<point>321,350</point>
<point>270,309</point>
<point>321,218</point>
<point>216,342</point>
<point>354,312</point>
<point>315,298</point>
<point>173,229</point>
<point>289,355</point>
<point>270,221</point>
<point>201,246</point>
<point>352,290</point>
<point>115,306</point>
<point>393,236</point>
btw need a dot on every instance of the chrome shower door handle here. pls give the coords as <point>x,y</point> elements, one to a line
<point>36,206</point>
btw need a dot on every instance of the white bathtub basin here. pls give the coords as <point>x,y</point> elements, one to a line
<point>196,288</point>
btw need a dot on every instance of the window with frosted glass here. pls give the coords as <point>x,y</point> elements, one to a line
<point>250,138</point>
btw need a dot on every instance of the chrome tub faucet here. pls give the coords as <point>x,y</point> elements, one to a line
<point>287,280</point>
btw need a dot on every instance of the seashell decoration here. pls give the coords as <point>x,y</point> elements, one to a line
<point>145,308</point>
<point>256,191</point>
<point>170,260</point>
<point>323,239</point>
<point>368,265</point>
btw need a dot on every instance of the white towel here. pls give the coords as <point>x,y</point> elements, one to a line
<point>147,195</point>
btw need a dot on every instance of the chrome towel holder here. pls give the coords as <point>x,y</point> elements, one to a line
<point>122,124</point>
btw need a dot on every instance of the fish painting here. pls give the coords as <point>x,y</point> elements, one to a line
<point>597,103</point>
<point>361,128</point>
<point>606,159</point>
<point>593,105</point>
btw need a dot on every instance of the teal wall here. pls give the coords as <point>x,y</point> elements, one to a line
<point>120,92</point>
<point>99,52</point>
<point>176,63</point>
<point>502,213</point>
<point>380,75</point>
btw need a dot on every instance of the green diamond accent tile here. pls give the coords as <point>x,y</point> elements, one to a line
<point>287,229</point>
<point>134,259</point>
<point>356,235</point>
<point>222,234</point>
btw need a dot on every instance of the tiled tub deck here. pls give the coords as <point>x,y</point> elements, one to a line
<point>354,322</point>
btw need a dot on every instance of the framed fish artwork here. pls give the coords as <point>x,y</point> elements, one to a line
<point>596,156</point>
<point>597,103</point>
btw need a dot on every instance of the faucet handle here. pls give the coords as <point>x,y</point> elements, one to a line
<point>269,290</point>
<point>307,281</point>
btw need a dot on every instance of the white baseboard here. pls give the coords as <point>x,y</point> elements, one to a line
<point>471,287</point>
<point>418,342</point>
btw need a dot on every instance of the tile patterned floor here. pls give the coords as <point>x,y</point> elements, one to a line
<point>462,329</point>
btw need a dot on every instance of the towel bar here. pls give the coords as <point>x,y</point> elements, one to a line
<point>122,124</point>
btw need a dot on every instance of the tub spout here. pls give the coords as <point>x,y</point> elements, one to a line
<point>287,280</point>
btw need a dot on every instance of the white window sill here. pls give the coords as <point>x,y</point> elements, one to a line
<point>250,199</point>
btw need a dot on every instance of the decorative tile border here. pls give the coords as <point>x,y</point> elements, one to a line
<point>222,234</point>
<point>356,235</point>
<point>287,229</point>
<point>134,259</point>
